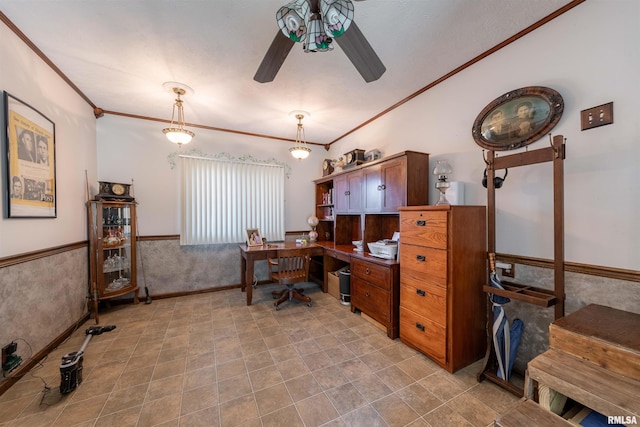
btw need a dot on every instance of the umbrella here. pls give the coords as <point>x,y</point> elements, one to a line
<point>506,339</point>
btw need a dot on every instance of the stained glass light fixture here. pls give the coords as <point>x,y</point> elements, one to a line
<point>314,24</point>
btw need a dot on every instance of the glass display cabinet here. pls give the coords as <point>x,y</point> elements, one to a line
<point>112,246</point>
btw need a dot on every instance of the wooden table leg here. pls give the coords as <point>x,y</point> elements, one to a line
<point>243,274</point>
<point>249,281</point>
<point>246,281</point>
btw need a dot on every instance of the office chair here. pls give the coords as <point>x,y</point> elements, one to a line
<point>291,267</point>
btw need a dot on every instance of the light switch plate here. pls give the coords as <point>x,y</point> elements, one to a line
<point>596,116</point>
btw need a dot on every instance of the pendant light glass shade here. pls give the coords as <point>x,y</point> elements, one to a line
<point>317,40</point>
<point>337,15</point>
<point>178,136</point>
<point>176,131</point>
<point>293,18</point>
<point>300,150</point>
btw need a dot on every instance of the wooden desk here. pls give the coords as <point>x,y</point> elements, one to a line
<point>375,284</point>
<point>249,255</point>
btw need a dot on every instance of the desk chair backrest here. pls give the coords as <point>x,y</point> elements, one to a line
<point>292,266</point>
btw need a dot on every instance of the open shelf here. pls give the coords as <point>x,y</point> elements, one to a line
<point>532,295</point>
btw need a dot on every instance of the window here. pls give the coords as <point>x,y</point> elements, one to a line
<point>222,198</point>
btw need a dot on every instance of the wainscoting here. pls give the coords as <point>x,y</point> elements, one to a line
<point>43,294</point>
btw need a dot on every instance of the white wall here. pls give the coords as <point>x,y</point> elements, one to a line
<point>137,149</point>
<point>41,298</point>
<point>590,56</point>
<point>27,77</point>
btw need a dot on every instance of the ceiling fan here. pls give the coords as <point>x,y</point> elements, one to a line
<point>315,24</point>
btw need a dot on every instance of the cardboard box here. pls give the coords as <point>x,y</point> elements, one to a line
<point>334,284</point>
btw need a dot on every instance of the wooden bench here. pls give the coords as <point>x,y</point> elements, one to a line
<point>527,413</point>
<point>587,383</point>
<point>594,359</point>
<point>608,337</point>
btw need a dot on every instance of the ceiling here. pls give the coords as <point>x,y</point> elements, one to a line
<point>119,53</point>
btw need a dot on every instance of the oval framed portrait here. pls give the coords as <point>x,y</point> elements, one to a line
<point>518,118</point>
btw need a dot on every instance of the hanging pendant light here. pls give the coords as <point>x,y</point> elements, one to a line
<point>176,132</point>
<point>300,150</point>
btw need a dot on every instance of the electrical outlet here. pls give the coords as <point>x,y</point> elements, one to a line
<point>8,350</point>
<point>10,361</point>
<point>508,269</point>
<point>596,116</point>
<point>509,272</point>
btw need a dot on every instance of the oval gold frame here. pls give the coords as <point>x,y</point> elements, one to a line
<point>499,126</point>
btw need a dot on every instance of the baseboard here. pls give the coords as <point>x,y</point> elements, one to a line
<point>122,301</point>
<point>23,369</point>
<point>374,322</point>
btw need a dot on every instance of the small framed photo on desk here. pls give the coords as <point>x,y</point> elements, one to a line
<point>253,237</point>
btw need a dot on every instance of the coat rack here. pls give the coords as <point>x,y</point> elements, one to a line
<point>541,297</point>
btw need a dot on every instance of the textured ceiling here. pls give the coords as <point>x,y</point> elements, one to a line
<point>119,53</point>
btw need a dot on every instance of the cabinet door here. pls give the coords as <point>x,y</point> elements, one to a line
<point>341,194</point>
<point>117,249</point>
<point>113,249</point>
<point>393,183</point>
<point>355,192</point>
<point>372,189</point>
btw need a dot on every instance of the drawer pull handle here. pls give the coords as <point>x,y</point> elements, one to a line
<point>421,258</point>
<point>346,193</point>
<point>421,223</point>
<point>367,294</point>
<point>379,187</point>
<point>420,326</point>
<point>420,292</point>
<point>383,187</point>
<point>367,271</point>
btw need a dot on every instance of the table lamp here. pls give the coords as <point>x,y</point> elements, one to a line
<point>442,171</point>
<point>313,222</point>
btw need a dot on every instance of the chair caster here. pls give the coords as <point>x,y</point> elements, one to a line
<point>308,304</point>
<point>277,307</point>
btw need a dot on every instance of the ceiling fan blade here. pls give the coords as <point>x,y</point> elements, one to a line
<point>274,58</point>
<point>361,54</point>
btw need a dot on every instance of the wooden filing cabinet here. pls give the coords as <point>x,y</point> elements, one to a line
<point>374,291</point>
<point>443,268</point>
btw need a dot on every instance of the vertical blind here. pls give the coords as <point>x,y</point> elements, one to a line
<point>221,199</point>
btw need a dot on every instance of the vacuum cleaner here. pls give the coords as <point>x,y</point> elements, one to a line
<point>71,366</point>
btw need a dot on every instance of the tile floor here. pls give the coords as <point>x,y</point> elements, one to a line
<point>209,360</point>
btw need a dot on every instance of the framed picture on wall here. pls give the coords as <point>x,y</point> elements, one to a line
<point>518,118</point>
<point>253,237</point>
<point>30,155</point>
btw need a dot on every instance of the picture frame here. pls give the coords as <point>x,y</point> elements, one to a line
<point>518,118</point>
<point>29,144</point>
<point>254,238</point>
